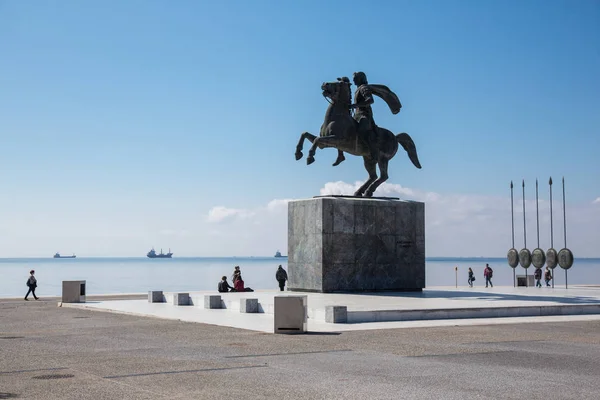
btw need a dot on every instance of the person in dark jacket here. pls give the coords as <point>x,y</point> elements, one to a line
<point>281,277</point>
<point>224,287</point>
<point>471,277</point>
<point>31,284</point>
<point>538,277</point>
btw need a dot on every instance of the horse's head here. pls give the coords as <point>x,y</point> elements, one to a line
<point>339,91</point>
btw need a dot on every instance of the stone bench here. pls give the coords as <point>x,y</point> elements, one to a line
<point>212,302</point>
<point>248,305</point>
<point>336,314</point>
<point>181,299</point>
<point>156,296</point>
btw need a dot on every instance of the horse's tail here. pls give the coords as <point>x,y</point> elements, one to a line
<point>407,143</point>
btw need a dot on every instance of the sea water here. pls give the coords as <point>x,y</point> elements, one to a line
<point>139,275</point>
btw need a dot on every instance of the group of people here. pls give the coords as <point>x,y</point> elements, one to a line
<point>238,282</point>
<point>488,272</point>
<point>538,277</point>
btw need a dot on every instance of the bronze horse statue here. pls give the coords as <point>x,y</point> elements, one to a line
<point>340,131</point>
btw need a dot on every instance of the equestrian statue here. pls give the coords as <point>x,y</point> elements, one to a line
<point>350,127</point>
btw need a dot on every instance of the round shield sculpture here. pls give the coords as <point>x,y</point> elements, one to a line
<point>525,257</point>
<point>513,258</point>
<point>538,258</point>
<point>551,258</point>
<point>565,258</point>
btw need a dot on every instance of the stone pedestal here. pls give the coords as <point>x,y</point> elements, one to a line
<point>345,244</point>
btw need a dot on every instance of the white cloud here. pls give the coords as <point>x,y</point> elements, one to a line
<point>220,214</point>
<point>456,224</point>
<point>597,201</point>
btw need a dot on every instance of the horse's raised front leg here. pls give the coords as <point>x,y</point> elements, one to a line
<point>300,144</point>
<point>340,158</point>
<point>321,142</point>
<point>383,176</point>
<point>371,167</point>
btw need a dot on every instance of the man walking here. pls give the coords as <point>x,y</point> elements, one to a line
<point>488,273</point>
<point>538,277</point>
<point>31,284</point>
<point>281,277</point>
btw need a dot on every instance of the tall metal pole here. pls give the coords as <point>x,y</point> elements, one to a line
<point>551,228</point>
<point>512,222</point>
<point>537,213</point>
<point>565,224</point>
<point>524,230</point>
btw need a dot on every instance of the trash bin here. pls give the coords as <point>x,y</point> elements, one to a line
<point>73,292</point>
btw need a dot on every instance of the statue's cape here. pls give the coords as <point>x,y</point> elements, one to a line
<point>387,95</point>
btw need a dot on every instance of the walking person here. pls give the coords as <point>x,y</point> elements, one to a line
<point>538,277</point>
<point>31,284</point>
<point>547,277</point>
<point>488,273</point>
<point>471,277</point>
<point>281,277</point>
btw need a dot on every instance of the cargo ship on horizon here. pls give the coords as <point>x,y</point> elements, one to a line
<point>152,254</point>
<point>57,255</point>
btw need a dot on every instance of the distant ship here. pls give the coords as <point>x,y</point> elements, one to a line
<point>152,254</point>
<point>278,255</point>
<point>57,255</point>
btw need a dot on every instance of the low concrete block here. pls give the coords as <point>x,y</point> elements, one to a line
<point>73,291</point>
<point>156,296</point>
<point>290,314</point>
<point>248,305</point>
<point>212,301</point>
<point>336,314</point>
<point>181,299</point>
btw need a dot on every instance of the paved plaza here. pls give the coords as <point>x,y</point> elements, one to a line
<point>50,352</point>
<point>437,306</point>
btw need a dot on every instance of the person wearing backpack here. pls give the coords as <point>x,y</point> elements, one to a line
<point>547,276</point>
<point>488,273</point>
<point>538,277</point>
<point>31,284</point>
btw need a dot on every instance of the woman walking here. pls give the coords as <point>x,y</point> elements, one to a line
<point>471,277</point>
<point>31,284</point>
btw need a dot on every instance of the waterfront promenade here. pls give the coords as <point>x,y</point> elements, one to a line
<point>48,352</point>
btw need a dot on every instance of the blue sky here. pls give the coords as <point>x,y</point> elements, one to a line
<point>120,121</point>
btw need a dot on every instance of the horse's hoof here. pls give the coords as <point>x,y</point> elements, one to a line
<point>358,194</point>
<point>339,161</point>
<point>368,194</point>
<point>310,160</point>
<point>299,155</point>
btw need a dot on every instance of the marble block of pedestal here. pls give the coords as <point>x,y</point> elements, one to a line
<point>350,244</point>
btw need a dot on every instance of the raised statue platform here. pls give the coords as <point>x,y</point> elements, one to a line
<point>345,244</point>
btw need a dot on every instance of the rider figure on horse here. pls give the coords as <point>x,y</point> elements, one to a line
<point>363,114</point>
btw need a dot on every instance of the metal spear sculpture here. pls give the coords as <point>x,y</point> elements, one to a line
<point>565,257</point>
<point>551,254</point>
<point>538,257</point>
<point>525,254</point>
<point>513,254</point>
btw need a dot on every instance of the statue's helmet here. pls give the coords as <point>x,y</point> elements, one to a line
<point>360,78</point>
